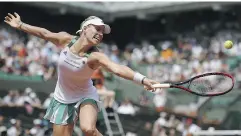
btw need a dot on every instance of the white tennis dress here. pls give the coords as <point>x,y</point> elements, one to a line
<point>74,79</point>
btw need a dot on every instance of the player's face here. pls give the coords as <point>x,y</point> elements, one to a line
<point>94,34</point>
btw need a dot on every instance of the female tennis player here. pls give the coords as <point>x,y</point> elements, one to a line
<point>75,96</point>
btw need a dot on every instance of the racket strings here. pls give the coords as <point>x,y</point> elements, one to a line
<point>211,84</point>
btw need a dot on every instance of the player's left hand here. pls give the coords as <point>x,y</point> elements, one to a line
<point>148,84</point>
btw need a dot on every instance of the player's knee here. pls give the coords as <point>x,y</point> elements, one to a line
<point>88,130</point>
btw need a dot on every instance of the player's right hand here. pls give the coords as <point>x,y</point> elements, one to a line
<point>13,20</point>
<point>148,84</point>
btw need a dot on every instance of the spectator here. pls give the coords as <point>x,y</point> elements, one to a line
<point>10,98</point>
<point>37,130</point>
<point>48,100</point>
<point>108,96</point>
<point>126,108</point>
<point>160,99</point>
<point>35,101</point>
<point>114,54</point>
<point>171,122</point>
<point>143,99</point>
<point>3,128</point>
<point>160,123</point>
<point>190,128</point>
<point>15,129</point>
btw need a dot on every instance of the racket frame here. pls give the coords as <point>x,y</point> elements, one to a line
<point>178,85</point>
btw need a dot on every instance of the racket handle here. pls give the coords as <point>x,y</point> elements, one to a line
<point>161,85</point>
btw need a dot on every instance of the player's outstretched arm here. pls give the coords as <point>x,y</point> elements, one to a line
<point>61,38</point>
<point>121,70</point>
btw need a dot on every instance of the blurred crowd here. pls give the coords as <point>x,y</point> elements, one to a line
<point>166,125</point>
<point>24,103</point>
<point>183,57</point>
<point>18,113</point>
<point>169,125</point>
<point>17,98</point>
<point>192,57</point>
<point>14,127</point>
<point>29,58</point>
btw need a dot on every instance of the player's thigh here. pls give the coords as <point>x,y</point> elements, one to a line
<point>88,116</point>
<point>63,130</point>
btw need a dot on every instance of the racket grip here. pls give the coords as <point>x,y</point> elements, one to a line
<point>161,85</point>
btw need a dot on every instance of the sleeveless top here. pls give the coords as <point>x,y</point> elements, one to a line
<point>74,77</point>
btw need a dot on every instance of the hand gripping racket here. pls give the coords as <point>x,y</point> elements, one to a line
<point>208,84</point>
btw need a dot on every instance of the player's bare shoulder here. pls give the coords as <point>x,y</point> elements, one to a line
<point>94,60</point>
<point>97,57</point>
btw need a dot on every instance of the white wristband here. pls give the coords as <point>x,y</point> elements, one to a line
<point>138,78</point>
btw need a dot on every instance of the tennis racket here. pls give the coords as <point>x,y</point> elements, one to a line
<point>208,84</point>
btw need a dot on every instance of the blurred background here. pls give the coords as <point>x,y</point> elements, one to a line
<point>167,41</point>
